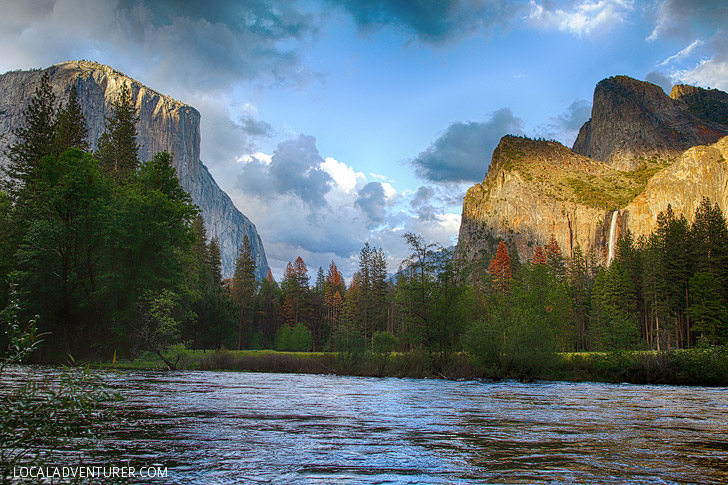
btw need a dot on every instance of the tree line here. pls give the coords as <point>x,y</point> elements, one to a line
<point>112,256</point>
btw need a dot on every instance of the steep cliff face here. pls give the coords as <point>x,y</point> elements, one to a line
<point>633,120</point>
<point>536,189</point>
<point>701,171</point>
<point>707,104</point>
<point>164,124</point>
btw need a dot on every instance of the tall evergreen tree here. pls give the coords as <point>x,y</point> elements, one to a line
<point>118,150</point>
<point>72,131</point>
<point>243,290</point>
<point>500,268</point>
<point>215,259</point>
<point>34,140</point>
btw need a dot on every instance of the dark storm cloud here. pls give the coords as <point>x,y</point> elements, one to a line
<point>688,18</point>
<point>266,18</point>
<point>371,202</point>
<point>431,21</point>
<point>190,45</point>
<point>463,152</point>
<point>656,77</point>
<point>294,169</point>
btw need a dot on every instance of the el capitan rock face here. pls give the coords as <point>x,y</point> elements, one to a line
<point>538,189</point>
<point>164,124</point>
<point>633,120</point>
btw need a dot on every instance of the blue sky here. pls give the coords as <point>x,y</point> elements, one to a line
<point>335,122</point>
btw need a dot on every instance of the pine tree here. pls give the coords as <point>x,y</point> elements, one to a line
<point>333,287</point>
<point>555,258</point>
<point>295,289</point>
<point>709,240</point>
<point>539,257</point>
<point>118,150</point>
<point>580,286</point>
<point>72,131</point>
<point>500,268</point>
<point>34,140</point>
<point>215,260</point>
<point>243,290</point>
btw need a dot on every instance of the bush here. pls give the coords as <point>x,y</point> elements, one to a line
<point>38,417</point>
<point>296,339</point>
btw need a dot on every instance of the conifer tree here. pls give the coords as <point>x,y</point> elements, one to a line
<point>500,268</point>
<point>243,290</point>
<point>72,131</point>
<point>539,256</point>
<point>214,259</point>
<point>332,294</point>
<point>34,140</point>
<point>118,150</point>
<point>555,258</point>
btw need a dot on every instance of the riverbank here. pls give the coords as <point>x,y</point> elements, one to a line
<point>700,367</point>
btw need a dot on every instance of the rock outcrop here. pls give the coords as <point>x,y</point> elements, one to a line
<point>635,120</point>
<point>538,189</point>
<point>164,124</point>
<point>701,171</point>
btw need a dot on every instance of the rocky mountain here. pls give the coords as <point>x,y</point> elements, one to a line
<point>164,124</point>
<point>538,189</point>
<point>634,120</point>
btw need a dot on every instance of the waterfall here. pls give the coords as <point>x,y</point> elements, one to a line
<point>612,237</point>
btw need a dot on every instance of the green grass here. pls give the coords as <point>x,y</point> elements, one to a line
<point>708,367</point>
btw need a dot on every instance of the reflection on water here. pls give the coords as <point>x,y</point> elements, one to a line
<point>210,427</point>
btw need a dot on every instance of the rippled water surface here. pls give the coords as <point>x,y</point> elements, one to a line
<point>210,427</point>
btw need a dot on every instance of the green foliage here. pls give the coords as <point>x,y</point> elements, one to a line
<point>37,418</point>
<point>118,150</point>
<point>521,330</point>
<point>296,339</point>
<point>35,140</point>
<point>708,310</point>
<point>384,343</point>
<point>71,131</point>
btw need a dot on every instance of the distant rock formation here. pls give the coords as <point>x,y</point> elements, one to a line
<point>701,171</point>
<point>647,150</point>
<point>538,189</point>
<point>635,120</point>
<point>164,124</point>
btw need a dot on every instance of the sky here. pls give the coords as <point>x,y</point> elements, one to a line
<point>331,123</point>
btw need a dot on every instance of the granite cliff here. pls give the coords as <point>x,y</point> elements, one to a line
<point>634,120</point>
<point>537,189</point>
<point>164,124</point>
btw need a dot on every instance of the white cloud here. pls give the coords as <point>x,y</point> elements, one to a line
<point>711,73</point>
<point>683,53</point>
<point>258,156</point>
<point>588,17</point>
<point>390,193</point>
<point>344,176</point>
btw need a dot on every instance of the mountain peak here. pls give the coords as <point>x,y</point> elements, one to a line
<point>634,120</point>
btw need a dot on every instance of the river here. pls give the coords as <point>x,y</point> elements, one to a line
<point>224,427</point>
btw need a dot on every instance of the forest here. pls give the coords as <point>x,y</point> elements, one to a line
<point>108,256</point>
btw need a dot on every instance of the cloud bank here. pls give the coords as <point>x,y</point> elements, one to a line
<point>462,153</point>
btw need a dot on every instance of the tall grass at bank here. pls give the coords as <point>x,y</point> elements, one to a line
<point>702,367</point>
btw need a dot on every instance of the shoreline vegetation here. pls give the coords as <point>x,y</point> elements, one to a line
<point>691,367</point>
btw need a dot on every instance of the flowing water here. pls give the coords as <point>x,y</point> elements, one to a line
<point>215,427</point>
<point>612,238</point>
